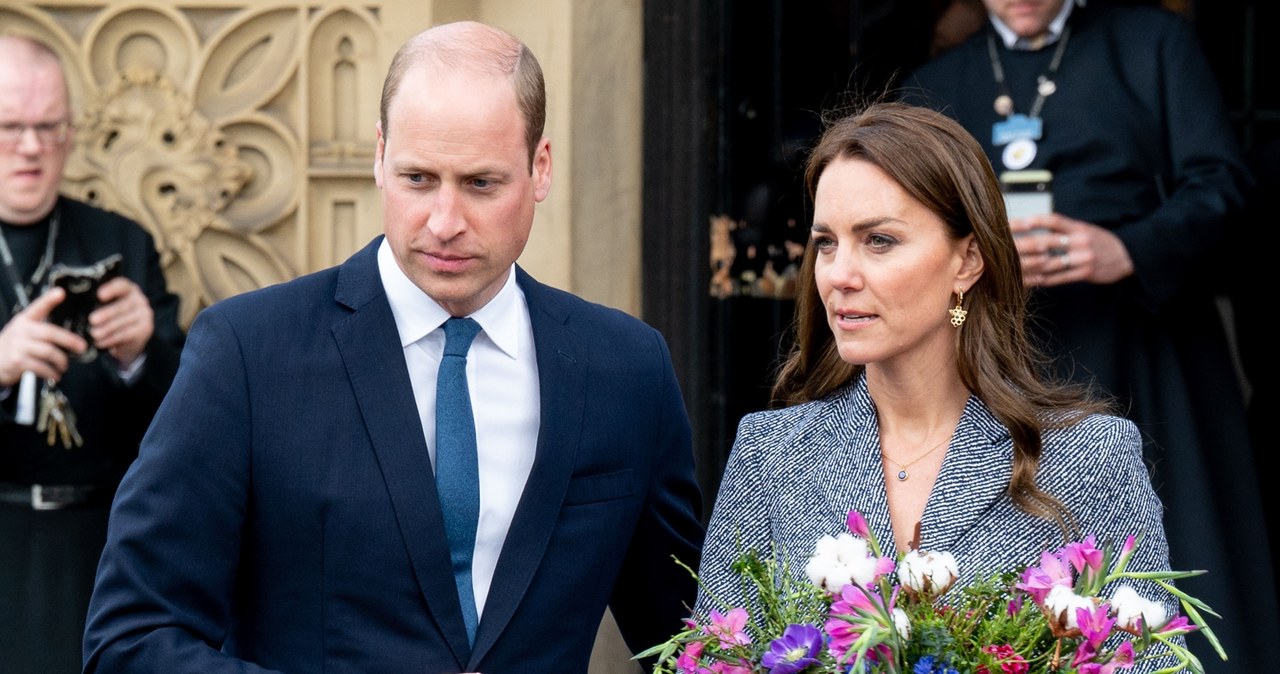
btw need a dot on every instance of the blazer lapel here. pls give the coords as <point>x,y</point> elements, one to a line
<point>850,472</point>
<point>978,466</point>
<point>974,473</point>
<point>371,352</point>
<point>562,377</point>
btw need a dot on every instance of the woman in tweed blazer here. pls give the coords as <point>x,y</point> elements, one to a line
<point>912,393</point>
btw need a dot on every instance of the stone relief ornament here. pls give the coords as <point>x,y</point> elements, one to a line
<point>185,173</point>
<point>240,136</point>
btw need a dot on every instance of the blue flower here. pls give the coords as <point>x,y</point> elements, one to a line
<point>796,651</point>
<point>926,665</point>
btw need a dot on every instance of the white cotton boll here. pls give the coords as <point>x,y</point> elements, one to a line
<point>840,560</point>
<point>903,623</point>
<point>1061,600</point>
<point>823,568</point>
<point>929,573</point>
<point>1128,606</point>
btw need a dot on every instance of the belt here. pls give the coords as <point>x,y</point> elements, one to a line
<point>51,496</point>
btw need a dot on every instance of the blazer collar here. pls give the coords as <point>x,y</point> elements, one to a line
<point>974,474</point>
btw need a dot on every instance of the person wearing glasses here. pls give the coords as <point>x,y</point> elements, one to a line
<point>73,407</point>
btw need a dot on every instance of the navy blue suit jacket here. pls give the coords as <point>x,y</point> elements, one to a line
<point>282,513</point>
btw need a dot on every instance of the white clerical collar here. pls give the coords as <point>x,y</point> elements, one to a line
<point>417,315</point>
<point>1012,41</point>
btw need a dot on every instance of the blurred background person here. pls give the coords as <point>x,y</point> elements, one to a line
<point>1147,185</point>
<point>72,410</point>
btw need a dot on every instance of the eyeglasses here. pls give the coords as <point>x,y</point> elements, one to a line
<point>48,133</point>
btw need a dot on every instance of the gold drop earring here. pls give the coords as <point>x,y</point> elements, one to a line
<point>958,313</point>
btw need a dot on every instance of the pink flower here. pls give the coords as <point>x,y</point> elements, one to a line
<point>1085,557</point>
<point>855,601</point>
<point>1123,658</point>
<point>730,629</point>
<point>858,524</point>
<point>689,660</point>
<point>743,667</point>
<point>1038,580</point>
<point>1084,655</point>
<point>1095,624</point>
<point>1180,624</point>
<point>1127,549</point>
<point>1009,660</point>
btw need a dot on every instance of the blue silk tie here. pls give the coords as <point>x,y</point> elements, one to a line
<point>457,471</point>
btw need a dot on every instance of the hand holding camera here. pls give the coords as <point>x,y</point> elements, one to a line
<point>81,285</point>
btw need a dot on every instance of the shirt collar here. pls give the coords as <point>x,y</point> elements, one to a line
<point>417,315</point>
<point>1012,41</point>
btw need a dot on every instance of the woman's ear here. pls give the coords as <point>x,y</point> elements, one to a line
<point>971,264</point>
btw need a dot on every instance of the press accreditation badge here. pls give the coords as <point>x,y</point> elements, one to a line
<point>1019,154</point>
<point>1016,127</point>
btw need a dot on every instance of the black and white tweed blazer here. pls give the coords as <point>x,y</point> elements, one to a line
<point>794,474</point>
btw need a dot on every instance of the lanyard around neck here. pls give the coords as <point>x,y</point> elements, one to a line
<point>45,262</point>
<point>1045,85</point>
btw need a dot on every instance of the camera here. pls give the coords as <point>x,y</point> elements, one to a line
<point>81,286</point>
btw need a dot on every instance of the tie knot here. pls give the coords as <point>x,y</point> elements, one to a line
<point>458,334</point>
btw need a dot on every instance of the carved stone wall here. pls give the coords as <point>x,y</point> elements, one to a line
<point>241,137</point>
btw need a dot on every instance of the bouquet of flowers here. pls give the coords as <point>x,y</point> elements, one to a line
<point>863,613</point>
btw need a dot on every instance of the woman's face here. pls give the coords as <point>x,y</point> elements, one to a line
<point>885,268</point>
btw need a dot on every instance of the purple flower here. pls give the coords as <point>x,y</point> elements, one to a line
<point>796,651</point>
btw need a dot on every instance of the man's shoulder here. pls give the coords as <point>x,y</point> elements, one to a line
<point>569,306</point>
<point>1136,28</point>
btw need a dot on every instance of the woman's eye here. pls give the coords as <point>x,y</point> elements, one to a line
<point>823,243</point>
<point>879,241</point>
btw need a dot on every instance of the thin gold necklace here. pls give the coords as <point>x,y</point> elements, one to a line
<point>902,467</point>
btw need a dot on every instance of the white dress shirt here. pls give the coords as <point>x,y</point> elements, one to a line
<point>502,378</point>
<point>1012,41</point>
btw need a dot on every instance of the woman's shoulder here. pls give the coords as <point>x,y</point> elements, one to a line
<point>1104,440</point>
<point>793,417</point>
<point>1099,426</point>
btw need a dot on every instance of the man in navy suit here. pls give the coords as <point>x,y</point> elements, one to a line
<point>283,513</point>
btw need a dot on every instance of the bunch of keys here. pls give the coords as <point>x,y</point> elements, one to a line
<point>56,419</point>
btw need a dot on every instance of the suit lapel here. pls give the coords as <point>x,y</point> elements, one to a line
<point>562,376</point>
<point>371,352</point>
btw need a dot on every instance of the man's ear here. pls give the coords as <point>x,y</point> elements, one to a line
<point>377,154</point>
<point>542,170</point>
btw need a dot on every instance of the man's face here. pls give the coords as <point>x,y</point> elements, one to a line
<point>458,194</point>
<point>1028,18</point>
<point>31,93</point>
